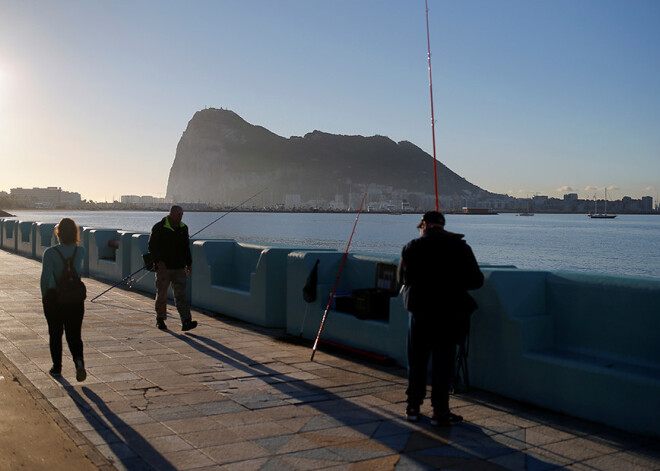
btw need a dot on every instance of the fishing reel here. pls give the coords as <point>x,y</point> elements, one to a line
<point>130,282</point>
<point>148,260</point>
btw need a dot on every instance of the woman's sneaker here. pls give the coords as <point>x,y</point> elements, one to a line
<point>81,374</point>
<point>412,414</point>
<point>445,418</point>
<point>55,372</point>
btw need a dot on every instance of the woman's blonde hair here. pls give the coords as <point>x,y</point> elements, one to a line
<point>67,231</point>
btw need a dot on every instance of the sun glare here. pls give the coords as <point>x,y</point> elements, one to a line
<point>3,85</point>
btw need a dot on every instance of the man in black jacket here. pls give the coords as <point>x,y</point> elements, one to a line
<point>436,270</point>
<point>169,245</point>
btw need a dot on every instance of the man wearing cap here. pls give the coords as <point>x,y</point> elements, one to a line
<point>437,270</point>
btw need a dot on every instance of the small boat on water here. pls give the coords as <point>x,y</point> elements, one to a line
<point>603,215</point>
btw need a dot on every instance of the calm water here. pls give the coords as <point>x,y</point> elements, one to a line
<point>627,245</point>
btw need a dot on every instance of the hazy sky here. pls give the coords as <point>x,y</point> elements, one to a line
<point>530,96</point>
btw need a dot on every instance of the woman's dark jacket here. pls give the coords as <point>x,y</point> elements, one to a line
<point>437,270</point>
<point>170,245</point>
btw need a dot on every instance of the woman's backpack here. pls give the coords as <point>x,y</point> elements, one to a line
<point>70,288</point>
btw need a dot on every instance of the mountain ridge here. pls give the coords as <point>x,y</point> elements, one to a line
<point>223,159</point>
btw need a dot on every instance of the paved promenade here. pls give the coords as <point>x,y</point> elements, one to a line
<point>229,395</point>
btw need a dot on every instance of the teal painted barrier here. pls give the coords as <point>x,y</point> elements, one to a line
<point>44,233</point>
<point>25,240</point>
<point>143,280</point>
<point>586,345</point>
<point>110,253</point>
<point>240,280</point>
<point>9,230</point>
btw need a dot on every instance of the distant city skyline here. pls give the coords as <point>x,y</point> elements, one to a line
<point>530,97</point>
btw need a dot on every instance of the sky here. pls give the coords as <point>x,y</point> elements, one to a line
<point>530,97</point>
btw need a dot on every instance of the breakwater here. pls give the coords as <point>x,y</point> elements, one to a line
<point>584,344</point>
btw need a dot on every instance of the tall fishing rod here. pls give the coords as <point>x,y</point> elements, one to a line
<point>149,264</point>
<point>334,288</point>
<point>435,171</point>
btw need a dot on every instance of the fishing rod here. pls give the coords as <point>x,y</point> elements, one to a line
<point>148,262</point>
<point>435,166</point>
<point>128,278</point>
<point>334,288</point>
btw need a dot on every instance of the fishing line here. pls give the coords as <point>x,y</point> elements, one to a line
<point>231,210</point>
<point>334,288</point>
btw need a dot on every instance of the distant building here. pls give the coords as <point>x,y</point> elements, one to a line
<point>50,197</point>
<point>647,204</point>
<point>130,199</point>
<point>145,200</point>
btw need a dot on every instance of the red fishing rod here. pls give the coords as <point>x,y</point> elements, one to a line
<point>334,288</point>
<point>435,171</point>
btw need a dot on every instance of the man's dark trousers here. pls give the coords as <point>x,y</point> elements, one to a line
<point>430,338</point>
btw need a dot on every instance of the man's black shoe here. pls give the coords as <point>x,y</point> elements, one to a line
<point>412,413</point>
<point>188,325</point>
<point>445,418</point>
<point>160,323</point>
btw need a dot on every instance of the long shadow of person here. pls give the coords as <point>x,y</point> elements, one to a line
<point>433,446</point>
<point>127,445</point>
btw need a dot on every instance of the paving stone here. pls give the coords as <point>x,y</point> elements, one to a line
<point>573,449</point>
<point>520,461</point>
<point>231,453</point>
<point>247,465</point>
<point>210,438</point>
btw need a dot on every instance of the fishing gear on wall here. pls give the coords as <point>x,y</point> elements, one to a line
<point>334,288</point>
<point>309,291</point>
<point>148,260</point>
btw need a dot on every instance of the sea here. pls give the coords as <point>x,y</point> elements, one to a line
<point>627,245</point>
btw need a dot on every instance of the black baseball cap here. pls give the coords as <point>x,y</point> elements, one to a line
<point>432,217</point>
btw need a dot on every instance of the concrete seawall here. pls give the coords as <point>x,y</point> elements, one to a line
<point>584,344</point>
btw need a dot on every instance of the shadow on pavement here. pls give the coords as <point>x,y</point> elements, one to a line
<point>127,445</point>
<point>432,447</point>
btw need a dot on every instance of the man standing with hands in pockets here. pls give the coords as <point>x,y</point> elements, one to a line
<point>169,245</point>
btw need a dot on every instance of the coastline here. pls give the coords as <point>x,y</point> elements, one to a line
<point>301,211</point>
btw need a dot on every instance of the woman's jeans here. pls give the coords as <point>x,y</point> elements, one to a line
<point>63,318</point>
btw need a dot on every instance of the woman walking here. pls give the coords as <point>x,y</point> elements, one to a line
<point>61,314</point>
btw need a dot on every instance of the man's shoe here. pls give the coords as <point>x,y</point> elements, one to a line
<point>55,372</point>
<point>412,414</point>
<point>81,374</point>
<point>446,418</point>
<point>188,325</point>
<point>160,323</point>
